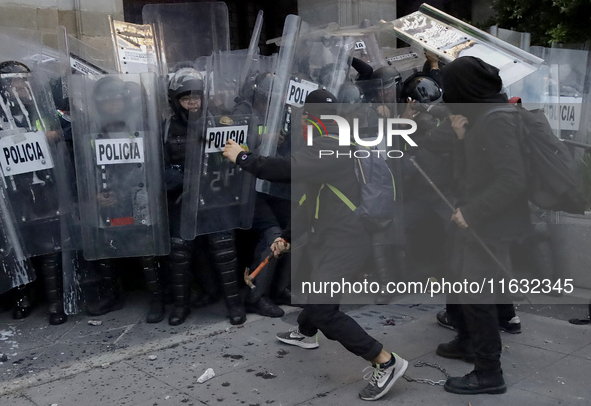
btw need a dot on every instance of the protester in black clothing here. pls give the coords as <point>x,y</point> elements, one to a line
<point>492,201</point>
<point>338,243</point>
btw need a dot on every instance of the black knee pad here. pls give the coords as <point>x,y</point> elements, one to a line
<point>180,250</point>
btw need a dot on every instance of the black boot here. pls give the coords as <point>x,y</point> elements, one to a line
<point>22,309</point>
<point>224,250</point>
<point>156,306</point>
<point>265,307</point>
<point>457,349</point>
<point>476,382</point>
<point>111,291</point>
<point>179,263</point>
<point>54,291</point>
<point>283,298</point>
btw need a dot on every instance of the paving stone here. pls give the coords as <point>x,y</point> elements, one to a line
<point>566,380</point>
<point>118,384</point>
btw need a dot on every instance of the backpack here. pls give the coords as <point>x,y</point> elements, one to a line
<point>378,191</point>
<point>554,178</point>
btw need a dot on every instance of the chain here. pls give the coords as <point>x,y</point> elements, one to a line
<point>428,381</point>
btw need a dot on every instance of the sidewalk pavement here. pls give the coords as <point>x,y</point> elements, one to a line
<point>127,362</point>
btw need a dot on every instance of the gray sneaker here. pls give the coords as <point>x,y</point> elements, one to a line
<point>382,379</point>
<point>294,337</point>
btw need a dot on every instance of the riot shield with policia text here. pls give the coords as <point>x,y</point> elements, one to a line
<point>119,166</point>
<point>32,164</point>
<point>217,196</point>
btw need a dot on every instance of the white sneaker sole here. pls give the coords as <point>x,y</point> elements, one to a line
<point>308,346</point>
<point>400,372</point>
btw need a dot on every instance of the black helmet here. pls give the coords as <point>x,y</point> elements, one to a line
<point>106,90</point>
<point>109,88</point>
<point>350,93</point>
<point>181,83</point>
<point>350,96</point>
<point>262,84</point>
<point>389,76</point>
<point>422,89</point>
<point>13,67</point>
<point>326,74</point>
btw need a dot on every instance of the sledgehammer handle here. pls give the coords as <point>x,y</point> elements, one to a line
<point>476,237</point>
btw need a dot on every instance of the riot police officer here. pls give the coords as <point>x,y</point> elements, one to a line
<point>185,92</point>
<point>33,193</point>
<point>117,205</point>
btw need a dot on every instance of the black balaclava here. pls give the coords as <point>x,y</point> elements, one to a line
<point>471,81</point>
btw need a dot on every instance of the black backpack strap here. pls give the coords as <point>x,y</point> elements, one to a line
<point>498,109</point>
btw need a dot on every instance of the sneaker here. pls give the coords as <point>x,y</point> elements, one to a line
<point>381,379</point>
<point>456,349</point>
<point>512,326</point>
<point>476,382</point>
<point>444,320</point>
<point>294,337</point>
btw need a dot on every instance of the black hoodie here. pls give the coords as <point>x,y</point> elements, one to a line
<point>488,161</point>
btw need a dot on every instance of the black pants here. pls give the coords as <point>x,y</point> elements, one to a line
<point>505,311</point>
<point>478,321</point>
<point>333,264</point>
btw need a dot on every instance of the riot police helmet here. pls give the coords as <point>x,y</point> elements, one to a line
<point>13,67</point>
<point>389,76</point>
<point>262,89</point>
<point>112,99</point>
<point>422,89</point>
<point>184,82</point>
<point>11,83</point>
<point>384,85</point>
<point>350,93</point>
<point>350,97</point>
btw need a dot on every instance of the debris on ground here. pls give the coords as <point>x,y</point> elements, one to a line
<point>3,357</point>
<point>153,357</point>
<point>266,375</point>
<point>389,322</point>
<point>106,365</point>
<point>207,375</point>
<point>94,322</point>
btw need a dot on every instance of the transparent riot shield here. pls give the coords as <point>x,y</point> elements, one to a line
<point>308,59</point>
<point>119,166</point>
<point>568,74</point>
<point>253,97</point>
<point>135,47</point>
<point>16,268</point>
<point>37,183</point>
<point>217,195</point>
<point>450,38</point>
<point>253,50</point>
<point>187,31</point>
<point>406,60</point>
<point>24,46</point>
<point>367,47</point>
<point>83,58</point>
